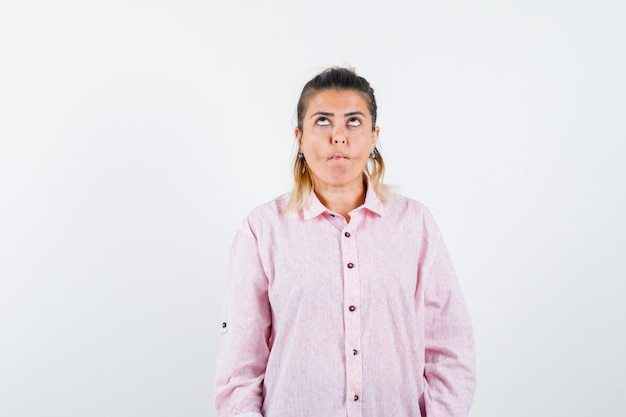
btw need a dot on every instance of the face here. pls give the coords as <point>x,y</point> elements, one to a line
<point>337,138</point>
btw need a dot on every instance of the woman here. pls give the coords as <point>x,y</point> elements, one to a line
<point>341,298</point>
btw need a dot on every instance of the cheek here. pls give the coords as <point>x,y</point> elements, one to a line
<point>312,148</point>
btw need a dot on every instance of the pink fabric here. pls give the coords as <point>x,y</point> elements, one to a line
<point>328,318</point>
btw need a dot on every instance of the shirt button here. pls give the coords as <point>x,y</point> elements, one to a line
<point>356,398</point>
<point>352,308</point>
<point>224,325</point>
<point>350,265</point>
<point>354,351</point>
<point>347,234</point>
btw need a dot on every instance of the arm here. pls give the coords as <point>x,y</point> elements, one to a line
<point>244,338</point>
<point>450,371</point>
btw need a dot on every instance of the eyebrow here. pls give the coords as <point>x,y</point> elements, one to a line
<point>352,113</point>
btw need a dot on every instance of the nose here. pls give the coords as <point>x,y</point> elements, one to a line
<point>339,135</point>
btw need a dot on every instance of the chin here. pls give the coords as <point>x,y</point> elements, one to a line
<point>341,181</point>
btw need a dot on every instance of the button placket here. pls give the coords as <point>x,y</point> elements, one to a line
<point>352,320</point>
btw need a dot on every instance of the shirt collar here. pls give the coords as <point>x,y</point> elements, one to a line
<point>373,202</point>
<point>314,207</point>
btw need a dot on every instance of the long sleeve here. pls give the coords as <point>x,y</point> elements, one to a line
<point>245,332</point>
<point>449,370</point>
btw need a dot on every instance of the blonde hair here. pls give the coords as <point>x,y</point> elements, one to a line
<point>334,78</point>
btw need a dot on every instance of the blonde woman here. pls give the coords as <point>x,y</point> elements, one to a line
<point>341,297</point>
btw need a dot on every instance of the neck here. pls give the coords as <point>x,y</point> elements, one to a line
<point>341,200</point>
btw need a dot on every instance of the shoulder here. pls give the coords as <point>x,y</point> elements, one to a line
<point>409,214</point>
<point>267,216</point>
<point>399,204</point>
<point>269,210</point>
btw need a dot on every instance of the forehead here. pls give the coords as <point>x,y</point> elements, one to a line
<point>339,100</point>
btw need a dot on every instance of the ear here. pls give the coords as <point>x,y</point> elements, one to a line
<point>296,133</point>
<point>375,134</point>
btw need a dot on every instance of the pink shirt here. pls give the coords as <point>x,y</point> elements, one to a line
<point>325,318</point>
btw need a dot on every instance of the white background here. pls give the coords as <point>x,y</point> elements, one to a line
<point>135,136</point>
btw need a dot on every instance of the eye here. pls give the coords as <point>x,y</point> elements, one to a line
<point>354,122</point>
<point>322,121</point>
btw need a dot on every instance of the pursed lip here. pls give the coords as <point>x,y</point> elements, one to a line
<point>337,156</point>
